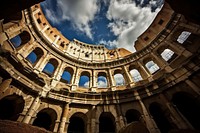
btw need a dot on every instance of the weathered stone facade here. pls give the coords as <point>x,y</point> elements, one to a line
<point>160,97</point>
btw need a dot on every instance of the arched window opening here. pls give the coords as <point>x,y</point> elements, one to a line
<point>20,39</point>
<point>167,55</point>
<point>46,118</point>
<point>35,55</point>
<point>152,67</point>
<point>67,75</point>
<point>16,41</point>
<point>10,107</point>
<point>132,115</point>
<point>84,80</point>
<point>32,58</point>
<point>102,80</point>
<point>136,75</point>
<point>119,78</point>
<point>159,117</point>
<point>50,67</point>
<point>76,125</point>
<point>189,107</point>
<point>106,123</point>
<point>183,37</point>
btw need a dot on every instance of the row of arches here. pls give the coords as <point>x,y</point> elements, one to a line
<point>152,66</point>
<point>12,106</point>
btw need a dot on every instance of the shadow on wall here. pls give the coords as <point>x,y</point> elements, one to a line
<point>134,127</point>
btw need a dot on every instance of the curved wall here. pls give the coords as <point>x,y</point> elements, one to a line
<point>165,65</point>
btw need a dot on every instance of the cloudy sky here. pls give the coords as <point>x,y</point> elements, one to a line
<point>114,23</point>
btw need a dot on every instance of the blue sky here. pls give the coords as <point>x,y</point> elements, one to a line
<point>114,23</point>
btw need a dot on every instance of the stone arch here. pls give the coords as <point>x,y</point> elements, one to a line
<point>159,116</point>
<point>67,75</point>
<point>167,53</point>
<point>135,73</point>
<point>107,123</point>
<point>119,77</point>
<point>11,106</point>
<point>80,119</point>
<point>102,80</point>
<point>151,65</point>
<point>132,115</point>
<point>51,67</point>
<point>46,118</point>
<point>84,80</point>
<point>35,55</point>
<point>188,106</point>
<point>21,39</point>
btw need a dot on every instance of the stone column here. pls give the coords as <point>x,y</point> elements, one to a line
<point>111,79</point>
<point>33,108</point>
<point>94,80</point>
<point>75,79</point>
<point>93,120</point>
<point>5,85</point>
<point>159,61</point>
<point>175,117</point>
<point>26,50</point>
<point>128,76</point>
<point>57,74</point>
<point>120,118</point>
<point>55,130</point>
<point>26,108</point>
<point>144,73</point>
<point>150,123</point>
<point>41,63</point>
<point>64,119</point>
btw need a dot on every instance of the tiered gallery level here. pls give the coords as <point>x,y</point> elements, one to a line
<point>155,89</point>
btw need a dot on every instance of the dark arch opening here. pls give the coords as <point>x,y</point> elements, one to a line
<point>189,107</point>
<point>50,67</point>
<point>67,75</point>
<point>20,39</point>
<point>106,123</point>
<point>35,55</point>
<point>132,115</point>
<point>76,125</point>
<point>160,118</point>
<point>11,106</point>
<point>46,119</point>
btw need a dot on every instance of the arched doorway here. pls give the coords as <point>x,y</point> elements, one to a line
<point>132,115</point>
<point>106,123</point>
<point>159,117</point>
<point>46,118</point>
<point>11,106</point>
<point>77,123</point>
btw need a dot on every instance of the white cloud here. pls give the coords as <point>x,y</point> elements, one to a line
<point>86,84</point>
<point>102,84</point>
<point>119,79</point>
<point>80,12</point>
<point>129,21</point>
